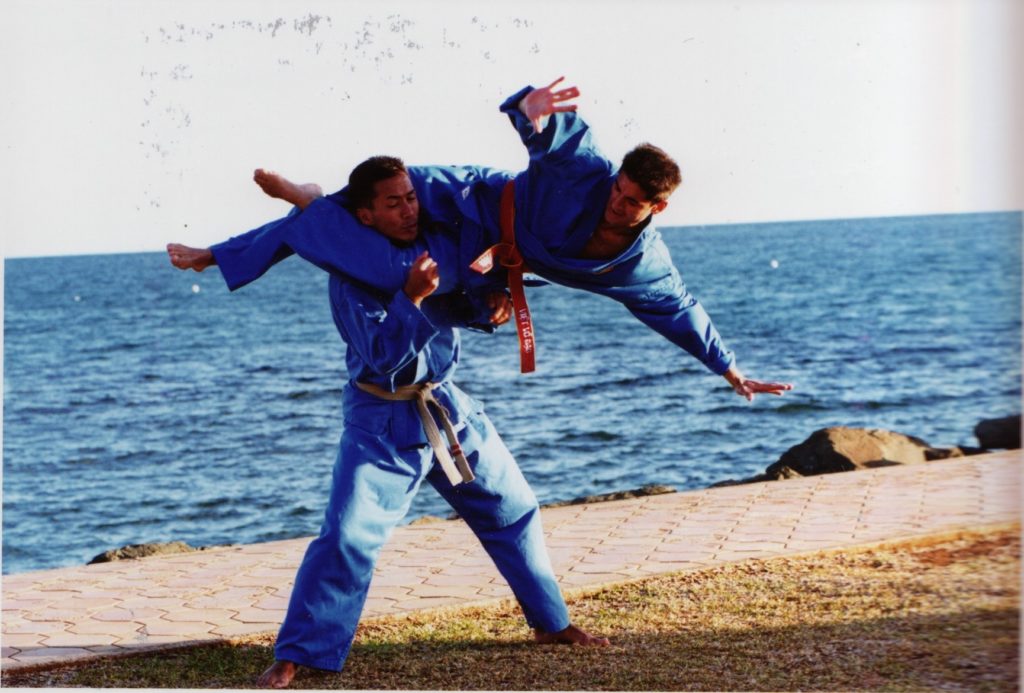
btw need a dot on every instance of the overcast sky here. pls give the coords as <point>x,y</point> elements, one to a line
<point>129,124</point>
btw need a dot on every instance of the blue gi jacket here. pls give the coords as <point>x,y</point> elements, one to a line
<point>559,199</point>
<point>390,342</point>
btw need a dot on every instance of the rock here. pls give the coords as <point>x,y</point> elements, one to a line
<point>842,449</point>
<point>785,472</point>
<point>782,472</point>
<point>648,490</point>
<point>142,550</point>
<point>999,433</point>
<point>737,482</point>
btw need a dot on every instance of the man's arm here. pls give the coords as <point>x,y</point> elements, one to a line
<point>690,327</point>
<point>325,234</point>
<point>668,308</point>
<point>387,335</point>
<point>540,104</point>
<point>651,288</point>
<point>564,139</point>
<point>748,387</point>
<point>481,311</point>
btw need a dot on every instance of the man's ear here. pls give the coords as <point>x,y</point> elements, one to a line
<point>659,206</point>
<point>365,216</point>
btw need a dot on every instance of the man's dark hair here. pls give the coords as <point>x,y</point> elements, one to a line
<point>653,170</point>
<point>366,175</point>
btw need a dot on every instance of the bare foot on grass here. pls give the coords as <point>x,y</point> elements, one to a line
<point>279,675</point>
<point>185,257</point>
<point>570,636</point>
<point>279,187</point>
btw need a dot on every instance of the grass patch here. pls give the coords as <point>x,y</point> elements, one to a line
<point>911,616</point>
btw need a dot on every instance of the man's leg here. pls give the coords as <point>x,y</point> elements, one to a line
<point>501,509</point>
<point>370,493</point>
<point>277,186</point>
<point>186,257</point>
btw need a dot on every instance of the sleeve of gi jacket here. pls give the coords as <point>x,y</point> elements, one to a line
<point>386,335</point>
<point>666,306</point>
<point>460,309</point>
<point>565,141</point>
<point>325,234</point>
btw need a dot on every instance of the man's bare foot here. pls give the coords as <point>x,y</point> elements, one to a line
<point>184,257</point>
<point>277,186</point>
<point>279,675</point>
<point>570,636</point>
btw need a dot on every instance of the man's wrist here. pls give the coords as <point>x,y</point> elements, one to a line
<point>415,300</point>
<point>733,376</point>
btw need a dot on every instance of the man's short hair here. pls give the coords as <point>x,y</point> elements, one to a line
<point>366,175</point>
<point>653,170</point>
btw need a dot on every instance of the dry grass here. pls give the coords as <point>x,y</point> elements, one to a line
<point>907,617</point>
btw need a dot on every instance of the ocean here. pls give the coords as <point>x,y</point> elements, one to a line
<point>142,403</point>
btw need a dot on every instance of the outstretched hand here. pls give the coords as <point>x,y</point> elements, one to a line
<point>541,103</point>
<point>748,387</point>
<point>423,279</point>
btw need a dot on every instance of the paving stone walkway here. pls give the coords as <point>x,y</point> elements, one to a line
<point>69,614</point>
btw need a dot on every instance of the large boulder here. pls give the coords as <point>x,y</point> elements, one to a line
<point>142,551</point>
<point>842,449</point>
<point>999,433</point>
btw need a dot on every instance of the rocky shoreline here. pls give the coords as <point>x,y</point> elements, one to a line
<point>843,449</point>
<point>826,451</point>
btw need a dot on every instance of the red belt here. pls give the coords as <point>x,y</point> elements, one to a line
<point>507,255</point>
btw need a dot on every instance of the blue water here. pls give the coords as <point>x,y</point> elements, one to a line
<point>146,404</point>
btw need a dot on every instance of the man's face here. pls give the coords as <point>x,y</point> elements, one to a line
<point>628,204</point>
<point>394,210</point>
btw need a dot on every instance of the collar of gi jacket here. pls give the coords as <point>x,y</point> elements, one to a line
<point>567,259</point>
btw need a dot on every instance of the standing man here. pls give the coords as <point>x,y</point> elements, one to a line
<point>578,222</point>
<point>402,351</point>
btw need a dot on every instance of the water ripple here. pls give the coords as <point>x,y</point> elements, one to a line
<point>144,411</point>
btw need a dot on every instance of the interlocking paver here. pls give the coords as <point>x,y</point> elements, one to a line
<point>187,628</point>
<point>70,614</point>
<point>21,605</point>
<point>52,614</point>
<point>79,639</point>
<point>199,615</point>
<point>23,640</point>
<point>19,625</point>
<point>142,640</point>
<point>107,649</point>
<point>49,655</point>
<point>234,629</point>
<point>271,602</point>
<point>495,591</point>
<point>577,578</point>
<point>429,603</point>
<point>454,591</point>
<point>119,628</point>
<point>132,614</point>
<point>258,616</point>
<point>442,579</point>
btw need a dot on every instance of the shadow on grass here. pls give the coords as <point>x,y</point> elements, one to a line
<point>974,650</point>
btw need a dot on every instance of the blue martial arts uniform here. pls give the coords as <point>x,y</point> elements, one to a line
<point>560,199</point>
<point>383,458</point>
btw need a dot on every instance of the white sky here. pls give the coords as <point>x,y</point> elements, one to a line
<point>128,124</point>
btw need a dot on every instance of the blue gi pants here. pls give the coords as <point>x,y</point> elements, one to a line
<point>373,485</point>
